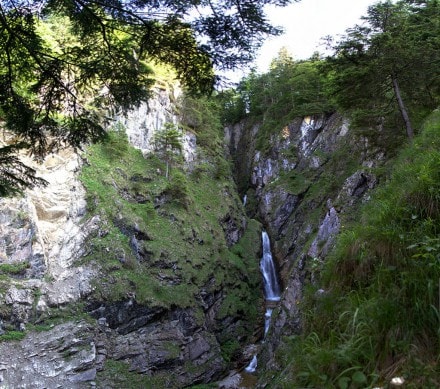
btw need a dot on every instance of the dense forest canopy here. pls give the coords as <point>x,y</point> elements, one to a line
<point>53,85</point>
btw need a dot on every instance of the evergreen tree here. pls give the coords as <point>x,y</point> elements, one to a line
<point>168,144</point>
<point>47,80</point>
<point>390,64</point>
<point>289,89</point>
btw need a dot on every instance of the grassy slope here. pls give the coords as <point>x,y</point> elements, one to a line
<point>181,236</point>
<point>379,317</point>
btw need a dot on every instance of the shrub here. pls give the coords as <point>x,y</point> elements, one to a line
<point>177,188</point>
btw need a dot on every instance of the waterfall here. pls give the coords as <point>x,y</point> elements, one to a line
<point>252,365</point>
<point>244,200</point>
<point>271,290</point>
<point>267,267</point>
<point>267,319</point>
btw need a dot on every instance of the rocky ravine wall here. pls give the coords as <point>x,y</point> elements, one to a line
<point>312,177</point>
<point>42,234</point>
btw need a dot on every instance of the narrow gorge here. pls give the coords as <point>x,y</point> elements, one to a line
<point>117,269</point>
<point>303,193</point>
<point>163,228</point>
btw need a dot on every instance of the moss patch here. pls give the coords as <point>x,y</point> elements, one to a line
<point>117,374</point>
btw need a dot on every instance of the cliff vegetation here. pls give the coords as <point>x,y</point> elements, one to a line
<point>371,313</point>
<point>136,262</point>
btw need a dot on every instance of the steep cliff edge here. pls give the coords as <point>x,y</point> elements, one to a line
<point>116,276</point>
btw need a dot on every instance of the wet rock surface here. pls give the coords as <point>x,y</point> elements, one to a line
<point>328,229</point>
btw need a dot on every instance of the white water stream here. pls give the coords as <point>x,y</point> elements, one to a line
<point>271,290</point>
<point>267,267</point>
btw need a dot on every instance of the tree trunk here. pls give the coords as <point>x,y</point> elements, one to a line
<point>403,112</point>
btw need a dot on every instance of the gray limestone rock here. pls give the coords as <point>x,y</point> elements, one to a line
<point>61,357</point>
<point>301,215</point>
<point>327,231</point>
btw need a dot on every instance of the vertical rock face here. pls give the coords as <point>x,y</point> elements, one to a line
<point>43,240</point>
<point>64,356</point>
<point>17,231</point>
<point>311,175</point>
<point>141,124</point>
<point>42,232</point>
<point>328,229</point>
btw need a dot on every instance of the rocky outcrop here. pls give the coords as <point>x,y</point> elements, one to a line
<point>42,239</point>
<point>65,356</point>
<point>328,229</point>
<point>141,124</point>
<point>42,233</point>
<point>303,167</point>
<point>172,342</point>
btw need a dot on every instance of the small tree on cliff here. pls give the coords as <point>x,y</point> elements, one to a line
<point>168,144</point>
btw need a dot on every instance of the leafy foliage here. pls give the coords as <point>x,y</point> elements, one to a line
<point>63,61</point>
<point>290,89</point>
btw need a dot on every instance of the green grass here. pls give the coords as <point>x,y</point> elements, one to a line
<point>12,336</point>
<point>379,317</point>
<point>180,222</point>
<point>13,269</point>
<point>118,375</point>
<point>45,321</point>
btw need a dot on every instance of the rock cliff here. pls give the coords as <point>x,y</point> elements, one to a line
<point>113,275</point>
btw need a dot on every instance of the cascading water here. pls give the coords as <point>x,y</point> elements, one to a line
<point>271,290</point>
<point>267,267</point>
<point>252,365</point>
<point>267,319</point>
